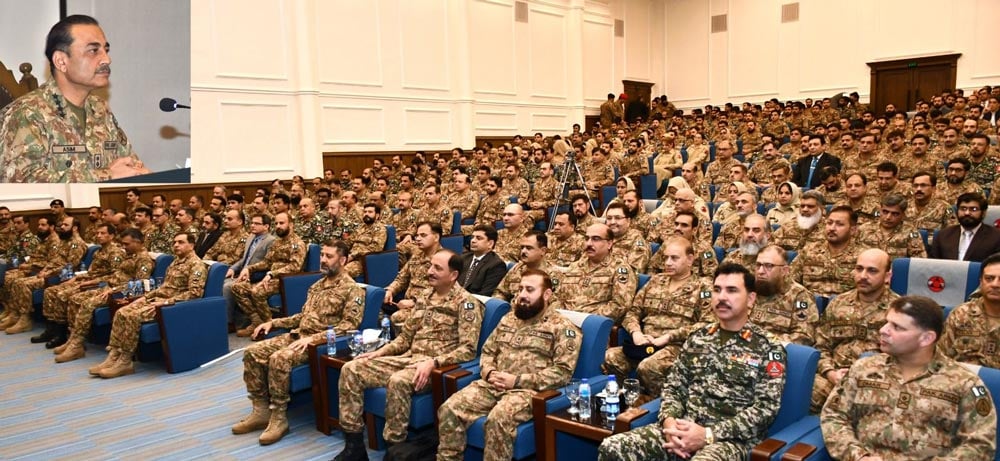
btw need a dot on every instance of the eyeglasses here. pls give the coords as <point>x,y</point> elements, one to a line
<point>768,267</point>
<point>594,238</point>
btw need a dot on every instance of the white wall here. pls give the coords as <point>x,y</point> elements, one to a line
<point>279,82</point>
<point>824,52</point>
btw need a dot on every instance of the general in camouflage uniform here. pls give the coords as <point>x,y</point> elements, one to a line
<point>69,248</point>
<point>185,279</point>
<point>285,256</point>
<point>160,239</point>
<point>312,228</point>
<point>598,283</point>
<point>46,138</point>
<point>543,194</point>
<point>55,299</point>
<point>784,308</point>
<point>663,314</point>
<point>334,300</point>
<point>727,381</point>
<point>533,349</point>
<point>850,324</point>
<point>136,265</point>
<point>898,238</point>
<point>931,408</point>
<point>443,329</point>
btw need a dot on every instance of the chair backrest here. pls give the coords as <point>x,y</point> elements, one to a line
<point>311,264</point>
<point>161,261</point>
<point>453,243</point>
<point>456,223</point>
<point>88,257</point>
<point>643,280</point>
<point>373,305</point>
<point>216,277</point>
<point>800,370</point>
<point>11,88</point>
<point>381,268</point>
<point>992,216</point>
<point>651,204</point>
<point>495,310</point>
<point>608,193</point>
<point>390,238</point>
<point>948,282</point>
<point>596,332</point>
<point>295,290</point>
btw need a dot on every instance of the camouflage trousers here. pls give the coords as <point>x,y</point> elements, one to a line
<point>127,322</point>
<point>651,371</point>
<point>267,366</point>
<point>822,388</point>
<point>646,443</point>
<point>11,276</point>
<point>82,305</point>
<point>20,293</point>
<point>388,372</point>
<point>56,298</point>
<point>504,411</point>
<point>252,299</point>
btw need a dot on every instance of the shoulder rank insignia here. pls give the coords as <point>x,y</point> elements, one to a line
<point>801,304</point>
<point>295,246</point>
<point>707,255</point>
<point>197,273</point>
<point>914,235</point>
<point>979,391</point>
<point>639,243</point>
<point>746,334</point>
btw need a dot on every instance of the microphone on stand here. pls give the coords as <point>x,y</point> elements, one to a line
<point>170,105</point>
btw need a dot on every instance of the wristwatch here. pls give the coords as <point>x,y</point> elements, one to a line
<point>709,436</point>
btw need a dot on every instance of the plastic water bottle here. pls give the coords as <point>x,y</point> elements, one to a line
<point>83,267</point>
<point>584,399</point>
<point>15,262</point>
<point>152,284</point>
<point>331,341</point>
<point>611,402</point>
<point>386,336</point>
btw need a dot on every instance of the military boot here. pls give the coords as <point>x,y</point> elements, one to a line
<point>47,335</point>
<point>73,350</point>
<point>277,427</point>
<point>121,367</point>
<point>354,448</point>
<point>110,359</point>
<point>256,420</point>
<point>8,321</point>
<point>23,324</point>
<point>59,337</point>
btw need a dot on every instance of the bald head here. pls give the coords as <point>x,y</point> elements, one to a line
<point>513,216</point>
<point>875,257</point>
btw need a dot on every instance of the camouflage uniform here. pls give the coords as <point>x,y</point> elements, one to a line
<point>791,316</point>
<point>544,191</point>
<point>406,222</point>
<point>605,288</point>
<point>229,248</point>
<point>508,246</point>
<point>831,197</point>
<point>971,336</point>
<point>730,382</point>
<point>517,188</point>
<point>7,238</point>
<point>935,215</point>
<point>731,231</point>
<point>412,278</point>
<point>81,306</point>
<point>597,176</point>
<point>285,256</point>
<point>457,201</point>
<point>185,280</point>
<point>738,257</point>
<point>718,171</point>
<point>902,241</point>
<point>34,262</point>
<point>915,163</point>
<point>657,311</point>
<point>540,351</point>
<point>632,248</point>
<point>583,223</point>
<point>868,210</point>
<point>564,252</point>
<point>760,172</point>
<point>368,239</point>
<point>864,164</point>
<point>161,240</point>
<point>849,327</point>
<point>445,330</point>
<point>315,230</point>
<point>65,252</point>
<point>41,139</point>
<point>489,212</point>
<point>949,192</point>
<point>55,298</point>
<point>944,413</point>
<point>647,224</point>
<point>705,262</point>
<point>824,273</point>
<point>944,153</point>
<point>634,165</point>
<point>24,245</point>
<point>336,301</point>
<point>511,282</point>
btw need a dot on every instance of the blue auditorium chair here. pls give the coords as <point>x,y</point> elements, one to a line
<point>381,268</point>
<point>947,282</point>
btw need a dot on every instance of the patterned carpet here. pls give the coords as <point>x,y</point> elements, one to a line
<point>57,411</point>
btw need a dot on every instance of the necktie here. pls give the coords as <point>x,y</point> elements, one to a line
<point>963,244</point>
<point>472,268</point>
<point>253,245</point>
<point>812,169</point>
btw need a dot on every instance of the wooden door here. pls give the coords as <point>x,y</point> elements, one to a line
<point>930,80</point>
<point>904,81</point>
<point>894,88</point>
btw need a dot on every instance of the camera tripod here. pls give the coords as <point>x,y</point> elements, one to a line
<point>569,167</point>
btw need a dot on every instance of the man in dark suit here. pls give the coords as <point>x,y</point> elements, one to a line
<point>482,268</point>
<point>992,112</point>
<point>256,248</point>
<point>211,230</point>
<point>970,239</point>
<point>805,172</point>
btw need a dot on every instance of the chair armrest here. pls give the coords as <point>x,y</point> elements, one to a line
<point>625,420</point>
<point>764,450</point>
<point>799,452</point>
<point>540,408</point>
<point>193,332</point>
<point>437,383</point>
<point>451,381</point>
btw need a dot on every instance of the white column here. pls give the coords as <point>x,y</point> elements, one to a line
<point>461,91</point>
